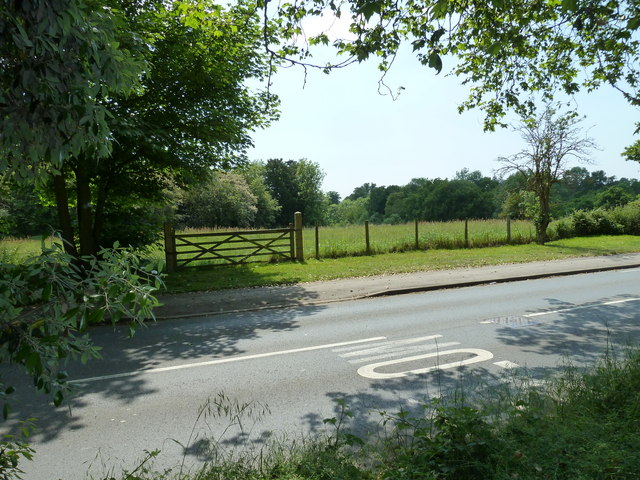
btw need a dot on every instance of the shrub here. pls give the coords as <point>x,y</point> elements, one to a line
<point>560,229</point>
<point>595,222</point>
<point>628,216</point>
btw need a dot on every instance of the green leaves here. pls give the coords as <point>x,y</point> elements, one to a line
<point>570,5</point>
<point>435,61</point>
<point>43,124</point>
<point>370,8</point>
<point>60,302</point>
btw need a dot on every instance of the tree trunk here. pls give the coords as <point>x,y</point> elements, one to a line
<point>62,207</point>
<point>543,220</point>
<point>85,217</point>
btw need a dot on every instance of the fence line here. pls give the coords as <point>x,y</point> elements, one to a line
<point>466,239</point>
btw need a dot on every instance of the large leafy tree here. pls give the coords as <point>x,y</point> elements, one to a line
<point>224,200</point>
<point>192,111</point>
<point>59,59</point>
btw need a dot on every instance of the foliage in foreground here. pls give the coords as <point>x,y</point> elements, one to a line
<point>579,425</point>
<point>47,303</point>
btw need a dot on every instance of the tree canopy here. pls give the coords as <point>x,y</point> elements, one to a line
<point>59,60</point>
<point>160,94</point>
<point>508,52</point>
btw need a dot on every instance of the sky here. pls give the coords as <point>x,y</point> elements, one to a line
<point>358,136</point>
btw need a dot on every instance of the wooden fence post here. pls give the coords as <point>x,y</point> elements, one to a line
<point>466,233</point>
<point>297,223</point>
<point>508,229</point>
<point>417,242</point>
<point>170,254</point>
<point>366,238</point>
<point>292,242</point>
<point>317,243</point>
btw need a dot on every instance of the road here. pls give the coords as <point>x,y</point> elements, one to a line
<point>382,353</point>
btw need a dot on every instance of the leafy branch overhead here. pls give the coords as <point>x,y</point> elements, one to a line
<point>506,51</point>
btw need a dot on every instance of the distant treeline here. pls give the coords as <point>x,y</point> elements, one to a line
<point>472,195</point>
<point>266,194</point>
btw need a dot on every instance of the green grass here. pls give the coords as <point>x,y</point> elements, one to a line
<point>261,274</point>
<point>350,240</point>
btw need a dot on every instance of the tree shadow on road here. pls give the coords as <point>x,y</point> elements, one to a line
<point>122,374</point>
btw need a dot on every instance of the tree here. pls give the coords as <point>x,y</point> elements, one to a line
<point>352,212</point>
<point>508,52</point>
<point>297,187</point>
<point>224,200</point>
<point>309,177</point>
<point>361,191</point>
<point>333,197</point>
<point>612,197</point>
<point>457,200</point>
<point>192,111</point>
<point>52,85</point>
<point>185,108</point>
<point>267,208</point>
<point>552,143</point>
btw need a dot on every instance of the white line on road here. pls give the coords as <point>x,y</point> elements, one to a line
<point>387,346</point>
<point>562,310</point>
<point>225,360</point>
<point>369,371</point>
<point>403,351</point>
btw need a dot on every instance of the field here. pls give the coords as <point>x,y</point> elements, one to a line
<point>335,242</point>
<point>351,241</point>
<point>348,241</point>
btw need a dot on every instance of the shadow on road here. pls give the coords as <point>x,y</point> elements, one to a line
<point>165,343</point>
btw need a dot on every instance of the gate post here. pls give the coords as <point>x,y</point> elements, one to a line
<point>170,254</point>
<point>297,226</point>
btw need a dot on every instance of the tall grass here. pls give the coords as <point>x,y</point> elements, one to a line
<point>16,250</point>
<point>344,241</point>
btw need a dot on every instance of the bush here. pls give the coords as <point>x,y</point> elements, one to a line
<point>628,216</point>
<point>561,229</point>
<point>595,222</point>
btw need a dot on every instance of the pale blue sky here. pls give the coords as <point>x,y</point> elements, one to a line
<point>356,135</point>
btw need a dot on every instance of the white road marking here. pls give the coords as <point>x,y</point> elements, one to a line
<point>369,371</point>
<point>562,310</point>
<point>394,352</point>
<point>225,360</point>
<point>396,345</point>
<point>392,342</point>
<point>507,364</point>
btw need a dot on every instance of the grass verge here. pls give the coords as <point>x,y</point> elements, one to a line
<point>262,274</point>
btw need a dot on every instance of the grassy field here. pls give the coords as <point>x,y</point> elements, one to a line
<point>346,241</point>
<point>259,274</point>
<point>349,240</point>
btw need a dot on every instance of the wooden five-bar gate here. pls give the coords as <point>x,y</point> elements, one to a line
<point>233,247</point>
